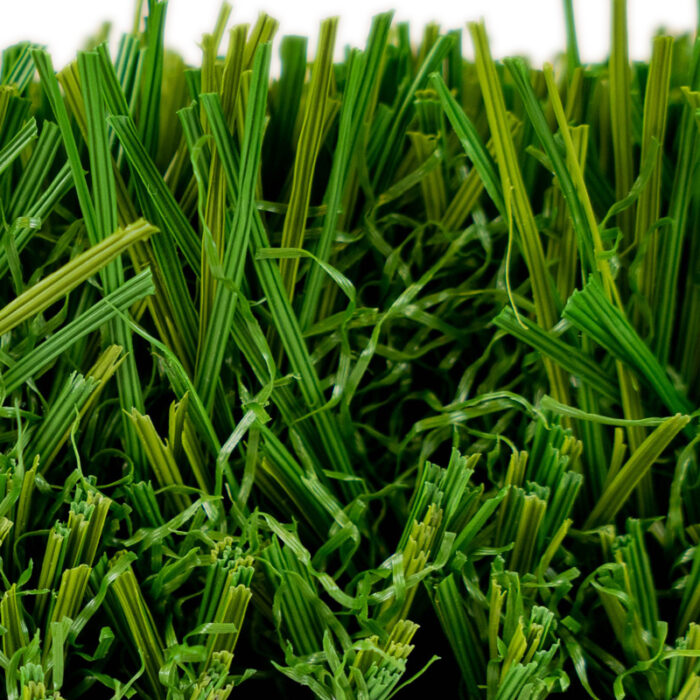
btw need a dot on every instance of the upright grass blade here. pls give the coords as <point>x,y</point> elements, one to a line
<point>151,76</point>
<point>631,400</point>
<point>621,113</point>
<point>44,66</point>
<point>139,621</point>
<point>15,638</point>
<point>215,209</point>
<point>402,113</point>
<point>566,167</point>
<point>162,198</point>
<point>17,66</point>
<point>573,60</point>
<point>363,75</point>
<point>214,346</point>
<point>161,460</point>
<point>515,196</point>
<point>307,151</point>
<point>75,397</point>
<point>473,147</point>
<point>171,307</point>
<point>665,309</point>
<point>653,132</point>
<point>460,632</point>
<point>104,195</point>
<point>163,203</point>
<point>287,326</point>
<point>28,188</point>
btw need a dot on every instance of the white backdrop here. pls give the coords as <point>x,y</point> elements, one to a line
<point>531,27</point>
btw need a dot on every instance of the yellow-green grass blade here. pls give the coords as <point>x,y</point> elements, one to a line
<point>619,489</point>
<point>59,283</point>
<point>35,362</point>
<point>515,196</point>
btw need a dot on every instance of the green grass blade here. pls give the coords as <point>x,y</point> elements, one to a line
<point>102,312</point>
<point>212,353</point>
<point>590,312</point>
<point>44,66</point>
<point>469,138</point>
<point>681,197</point>
<point>403,112</point>
<point>19,142</point>
<point>515,195</point>
<point>307,151</point>
<point>363,74</point>
<point>287,326</point>
<point>105,198</point>
<point>37,168</point>
<point>619,489</point>
<point>566,356</point>
<point>653,132</point>
<point>564,168</point>
<point>621,113</point>
<point>144,167</point>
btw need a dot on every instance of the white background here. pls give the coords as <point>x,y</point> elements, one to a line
<point>529,27</point>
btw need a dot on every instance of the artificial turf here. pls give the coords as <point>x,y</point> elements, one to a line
<point>375,376</point>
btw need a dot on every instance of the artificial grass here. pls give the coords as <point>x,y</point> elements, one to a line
<point>371,378</point>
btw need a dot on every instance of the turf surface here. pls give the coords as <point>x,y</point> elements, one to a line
<point>373,377</point>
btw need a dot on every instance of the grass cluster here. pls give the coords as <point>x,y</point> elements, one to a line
<point>379,372</point>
